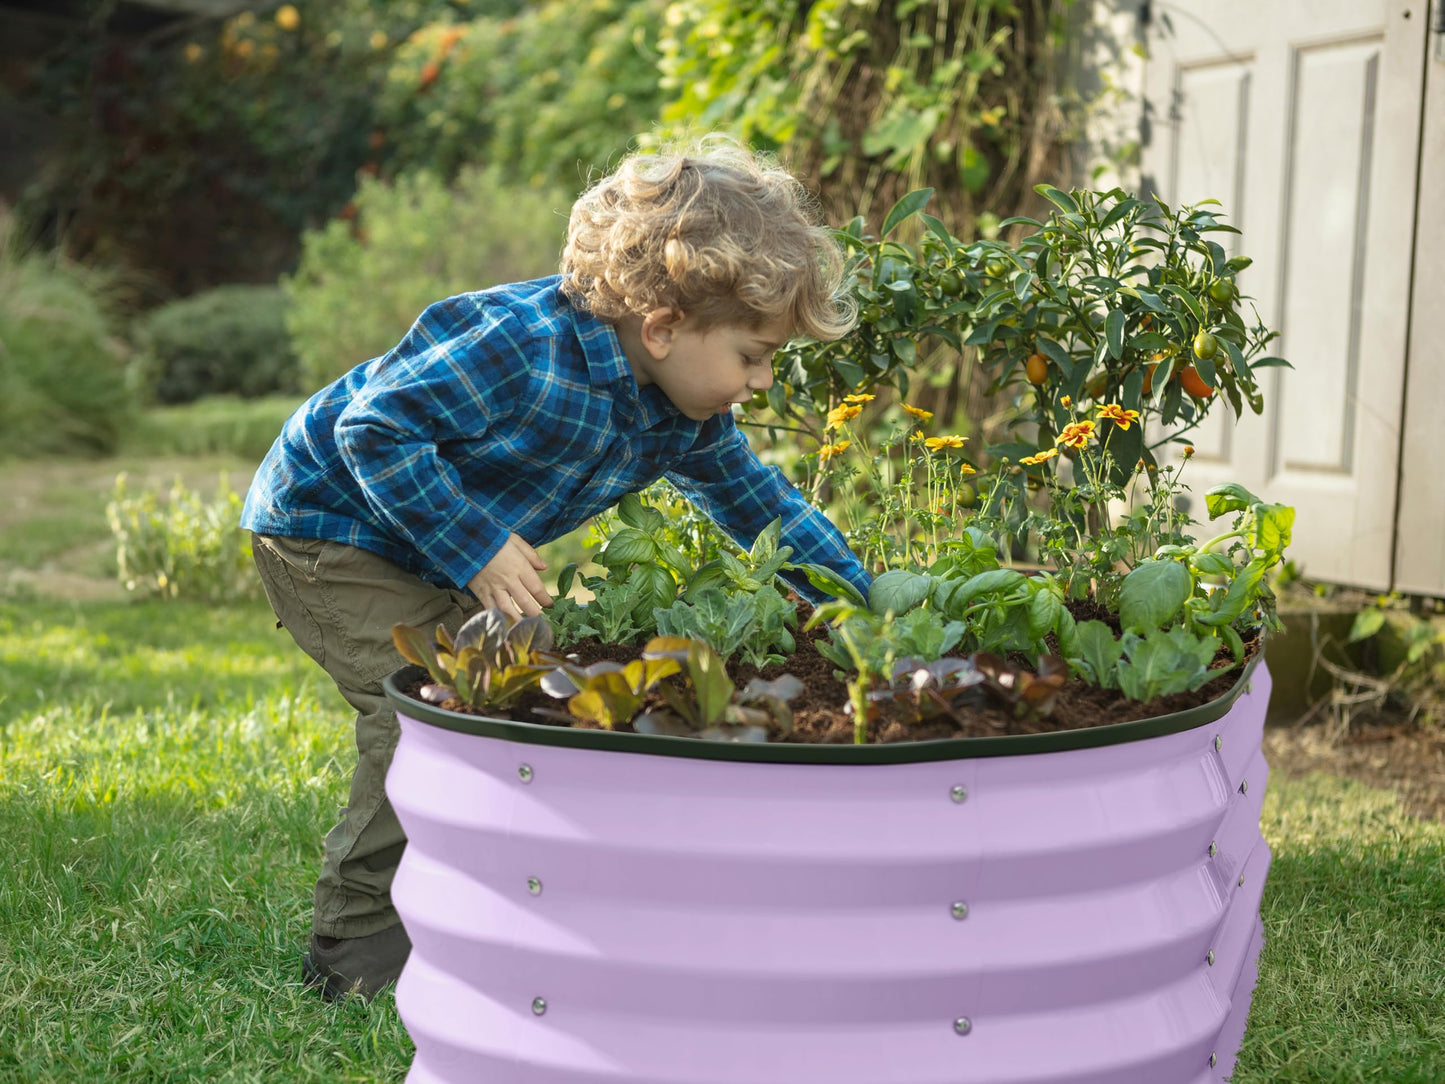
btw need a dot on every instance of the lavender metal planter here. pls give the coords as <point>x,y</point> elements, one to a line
<point>1077,907</point>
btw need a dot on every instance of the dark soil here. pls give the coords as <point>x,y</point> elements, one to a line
<point>820,716</point>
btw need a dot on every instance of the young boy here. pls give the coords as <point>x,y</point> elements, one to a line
<point>414,488</point>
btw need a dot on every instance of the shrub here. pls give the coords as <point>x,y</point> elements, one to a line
<point>185,547</point>
<point>216,425</point>
<point>62,379</point>
<point>359,286</point>
<point>228,341</point>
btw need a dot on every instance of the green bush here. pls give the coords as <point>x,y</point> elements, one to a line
<point>228,341</point>
<point>184,547</point>
<point>216,425</point>
<point>63,388</point>
<point>360,286</point>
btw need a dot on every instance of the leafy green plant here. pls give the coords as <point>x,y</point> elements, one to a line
<point>493,659</point>
<point>757,626</point>
<point>360,284</point>
<point>184,546</point>
<point>707,705</point>
<point>231,340</point>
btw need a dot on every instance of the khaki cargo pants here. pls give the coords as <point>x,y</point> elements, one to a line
<point>339,603</point>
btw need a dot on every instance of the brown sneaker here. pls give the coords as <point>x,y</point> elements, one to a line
<point>339,966</point>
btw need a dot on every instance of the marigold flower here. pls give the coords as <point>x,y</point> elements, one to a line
<point>1188,450</point>
<point>840,414</point>
<point>935,443</point>
<point>964,468</point>
<point>1076,435</point>
<point>828,451</point>
<point>859,397</point>
<point>1066,402</point>
<point>918,412</point>
<point>1115,413</point>
<point>1042,457</point>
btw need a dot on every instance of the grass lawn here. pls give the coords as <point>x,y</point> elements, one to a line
<point>168,770</point>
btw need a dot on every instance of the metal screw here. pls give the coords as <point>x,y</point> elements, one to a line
<point>1249,686</point>
<point>1244,787</point>
<point>1218,743</point>
<point>1212,1059</point>
<point>1241,880</point>
<point>959,793</point>
<point>524,773</point>
<point>960,909</point>
<point>1213,848</point>
<point>1210,957</point>
<point>534,886</point>
<point>539,1005</point>
<point>962,1025</point>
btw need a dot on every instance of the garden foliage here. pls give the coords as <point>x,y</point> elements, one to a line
<point>182,545</point>
<point>361,284</point>
<point>63,386</point>
<point>231,340</point>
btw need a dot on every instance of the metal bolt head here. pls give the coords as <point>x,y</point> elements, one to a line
<point>1210,958</point>
<point>1244,786</point>
<point>1213,848</point>
<point>534,886</point>
<point>1213,1059</point>
<point>958,793</point>
<point>962,1025</point>
<point>959,909</point>
<point>539,1005</point>
<point>1218,743</point>
<point>1241,880</point>
<point>1249,686</point>
<point>524,773</point>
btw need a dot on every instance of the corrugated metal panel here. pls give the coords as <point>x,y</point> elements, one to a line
<point>713,922</point>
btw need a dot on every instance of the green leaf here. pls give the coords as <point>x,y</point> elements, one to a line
<point>897,591</point>
<point>628,546</point>
<point>1099,651</point>
<point>1228,497</point>
<point>825,579</point>
<point>766,544</point>
<point>997,581</point>
<point>1366,624</point>
<point>1162,663</point>
<point>909,205</point>
<point>1153,594</point>
<point>1060,199</point>
<point>1044,610</point>
<point>1270,363</point>
<point>416,647</point>
<point>1114,332</point>
<point>710,682</point>
<point>1273,526</point>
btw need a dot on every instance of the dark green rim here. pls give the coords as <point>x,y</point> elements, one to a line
<point>895,753</point>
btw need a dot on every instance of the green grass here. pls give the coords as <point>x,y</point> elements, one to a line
<point>217,425</point>
<point>167,772</point>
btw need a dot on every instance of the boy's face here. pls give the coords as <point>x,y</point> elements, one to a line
<point>706,372</point>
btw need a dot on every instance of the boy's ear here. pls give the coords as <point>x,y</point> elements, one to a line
<point>659,329</point>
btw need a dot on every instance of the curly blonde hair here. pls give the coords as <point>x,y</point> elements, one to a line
<point>713,230</point>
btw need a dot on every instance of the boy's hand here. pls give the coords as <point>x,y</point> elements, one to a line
<point>509,581</point>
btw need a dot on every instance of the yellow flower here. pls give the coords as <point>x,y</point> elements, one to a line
<point>935,443</point>
<point>917,436</point>
<point>287,17</point>
<point>1188,451</point>
<point>1066,402</point>
<point>840,414</point>
<point>828,451</point>
<point>245,47</point>
<point>859,397</point>
<point>964,468</point>
<point>1042,457</point>
<point>194,53</point>
<point>918,412</point>
<point>1076,435</point>
<point>1118,415</point>
<point>378,39</point>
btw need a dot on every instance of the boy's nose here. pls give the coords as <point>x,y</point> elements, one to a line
<point>763,380</point>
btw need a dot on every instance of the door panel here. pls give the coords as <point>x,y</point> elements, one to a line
<point>1303,120</point>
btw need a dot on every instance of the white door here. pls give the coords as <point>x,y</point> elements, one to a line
<point>1303,118</point>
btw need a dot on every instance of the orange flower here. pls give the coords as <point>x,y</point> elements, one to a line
<point>935,443</point>
<point>1188,451</point>
<point>964,468</point>
<point>859,397</point>
<point>828,451</point>
<point>1076,435</point>
<point>918,412</point>
<point>1115,413</point>
<point>840,414</point>
<point>1042,457</point>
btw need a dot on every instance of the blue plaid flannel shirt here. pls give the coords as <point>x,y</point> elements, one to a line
<point>510,410</point>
